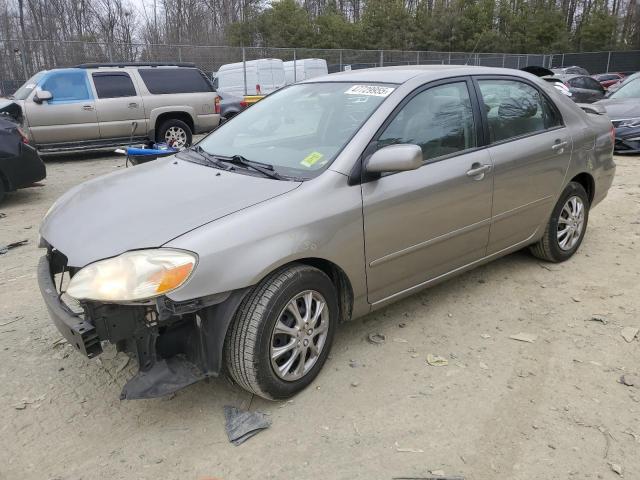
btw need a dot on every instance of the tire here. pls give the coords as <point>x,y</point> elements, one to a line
<point>177,130</point>
<point>2,189</point>
<point>554,246</point>
<point>252,341</point>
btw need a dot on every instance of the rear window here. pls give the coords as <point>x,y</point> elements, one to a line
<point>113,85</point>
<point>175,80</point>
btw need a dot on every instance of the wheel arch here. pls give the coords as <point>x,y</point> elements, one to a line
<point>588,183</point>
<point>339,279</point>
<point>177,115</point>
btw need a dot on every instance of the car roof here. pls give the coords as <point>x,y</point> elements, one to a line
<point>404,73</point>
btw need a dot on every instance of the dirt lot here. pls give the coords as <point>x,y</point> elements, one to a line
<point>500,409</point>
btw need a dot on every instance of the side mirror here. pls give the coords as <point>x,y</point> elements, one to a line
<point>395,158</point>
<point>42,96</point>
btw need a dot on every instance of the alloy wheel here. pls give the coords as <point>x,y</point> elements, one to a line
<point>570,223</point>
<point>176,136</point>
<point>299,335</point>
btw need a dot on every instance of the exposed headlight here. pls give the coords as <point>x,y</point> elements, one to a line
<point>132,276</point>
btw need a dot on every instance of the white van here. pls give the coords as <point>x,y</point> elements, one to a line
<point>263,77</point>
<point>304,68</point>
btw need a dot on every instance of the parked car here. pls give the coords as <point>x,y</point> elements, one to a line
<point>20,164</point>
<point>99,105</point>
<point>304,68</point>
<point>584,89</point>
<point>548,76</point>
<point>263,76</point>
<point>608,79</point>
<point>616,86</point>
<point>324,201</point>
<point>573,70</point>
<point>228,105</point>
<point>623,108</point>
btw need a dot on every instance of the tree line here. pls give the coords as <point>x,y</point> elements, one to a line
<point>515,26</point>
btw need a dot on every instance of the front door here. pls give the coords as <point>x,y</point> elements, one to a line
<point>70,116</point>
<point>427,222</point>
<point>531,149</point>
<point>119,106</point>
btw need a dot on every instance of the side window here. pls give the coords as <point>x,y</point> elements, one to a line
<point>591,84</point>
<point>160,80</point>
<point>438,120</point>
<point>576,82</point>
<point>113,85</point>
<point>515,109</point>
<point>67,87</point>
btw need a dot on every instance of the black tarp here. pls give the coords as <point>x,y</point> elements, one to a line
<point>10,139</point>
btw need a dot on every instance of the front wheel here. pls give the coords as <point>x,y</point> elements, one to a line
<point>567,226</point>
<point>282,332</point>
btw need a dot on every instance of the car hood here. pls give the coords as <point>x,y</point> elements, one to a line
<point>621,108</point>
<point>147,206</point>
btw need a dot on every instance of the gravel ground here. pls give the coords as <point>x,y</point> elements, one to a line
<point>501,408</point>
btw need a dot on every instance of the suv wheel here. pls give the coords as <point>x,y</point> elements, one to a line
<point>176,132</point>
<point>566,227</point>
<point>282,332</point>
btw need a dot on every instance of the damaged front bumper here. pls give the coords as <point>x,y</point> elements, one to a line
<point>175,344</point>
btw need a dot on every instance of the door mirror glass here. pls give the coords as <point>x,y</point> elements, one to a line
<point>395,158</point>
<point>42,96</point>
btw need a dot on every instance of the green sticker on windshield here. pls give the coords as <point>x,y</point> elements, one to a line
<point>311,159</point>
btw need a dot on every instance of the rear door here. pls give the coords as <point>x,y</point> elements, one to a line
<point>70,116</point>
<point>118,104</point>
<point>530,149</point>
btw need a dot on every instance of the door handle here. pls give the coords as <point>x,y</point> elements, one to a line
<point>133,105</point>
<point>478,170</point>
<point>87,108</point>
<point>559,145</point>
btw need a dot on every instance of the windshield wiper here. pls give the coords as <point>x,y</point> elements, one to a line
<point>209,160</point>
<point>264,168</point>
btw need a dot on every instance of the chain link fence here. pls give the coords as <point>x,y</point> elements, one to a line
<point>19,60</point>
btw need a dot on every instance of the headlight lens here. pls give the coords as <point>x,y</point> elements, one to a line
<point>132,276</point>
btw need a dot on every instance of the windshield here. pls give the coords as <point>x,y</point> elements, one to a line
<point>23,92</point>
<point>298,130</point>
<point>628,90</point>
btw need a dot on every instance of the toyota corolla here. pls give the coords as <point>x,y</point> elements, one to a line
<point>323,202</point>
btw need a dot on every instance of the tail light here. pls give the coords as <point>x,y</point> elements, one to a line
<point>216,104</point>
<point>23,136</point>
<point>243,103</point>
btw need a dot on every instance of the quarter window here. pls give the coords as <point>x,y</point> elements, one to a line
<point>160,80</point>
<point>113,85</point>
<point>70,86</point>
<point>515,109</point>
<point>438,120</point>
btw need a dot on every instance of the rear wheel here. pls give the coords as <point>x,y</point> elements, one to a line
<point>282,332</point>
<point>567,226</point>
<point>2,190</point>
<point>175,132</point>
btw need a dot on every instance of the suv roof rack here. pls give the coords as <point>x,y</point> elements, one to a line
<point>136,64</point>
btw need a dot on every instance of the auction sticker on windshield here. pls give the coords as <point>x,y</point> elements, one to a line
<point>372,90</point>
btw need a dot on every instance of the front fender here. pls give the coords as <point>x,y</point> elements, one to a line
<point>320,219</point>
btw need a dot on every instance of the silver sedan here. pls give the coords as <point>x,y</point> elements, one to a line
<point>323,202</point>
